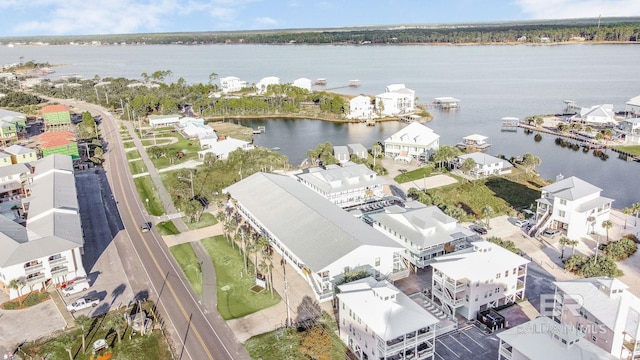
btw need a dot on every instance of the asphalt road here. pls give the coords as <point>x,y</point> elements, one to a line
<point>151,269</point>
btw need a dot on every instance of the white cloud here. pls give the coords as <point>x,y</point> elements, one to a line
<point>266,21</point>
<point>569,9</point>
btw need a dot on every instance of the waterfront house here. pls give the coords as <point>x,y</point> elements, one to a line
<point>543,339</point>
<point>572,205</point>
<point>56,117</point>
<point>378,321</point>
<point>361,108</point>
<point>358,150</point>
<point>48,248</point>
<point>232,84</point>
<point>478,278</point>
<point>345,186</point>
<point>187,120</point>
<point>335,243</point>
<point>341,153</point>
<point>598,115</point>
<point>21,154</point>
<point>164,120</point>
<point>302,83</point>
<point>13,179</point>
<point>221,148</point>
<point>207,140</point>
<point>632,107</point>
<point>485,164</point>
<point>414,141</point>
<point>631,130</point>
<point>425,232</point>
<point>197,131</point>
<point>396,100</point>
<point>59,142</point>
<point>604,310</point>
<point>263,85</point>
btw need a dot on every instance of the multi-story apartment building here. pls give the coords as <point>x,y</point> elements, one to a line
<point>378,321</point>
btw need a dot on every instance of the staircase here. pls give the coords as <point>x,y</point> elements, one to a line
<point>536,229</point>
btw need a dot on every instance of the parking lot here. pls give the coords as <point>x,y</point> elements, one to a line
<point>468,342</point>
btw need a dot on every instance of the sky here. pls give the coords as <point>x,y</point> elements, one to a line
<point>85,17</point>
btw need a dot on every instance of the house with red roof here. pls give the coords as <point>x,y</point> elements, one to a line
<point>56,117</point>
<point>59,142</point>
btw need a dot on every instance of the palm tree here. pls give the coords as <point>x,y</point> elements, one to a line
<point>17,285</point>
<point>573,244</point>
<point>626,211</point>
<point>487,212</point>
<point>117,323</point>
<point>563,242</point>
<point>82,321</point>
<point>607,224</point>
<point>376,149</point>
<point>636,210</point>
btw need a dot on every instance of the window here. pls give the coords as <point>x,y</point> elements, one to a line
<point>563,201</point>
<point>506,273</point>
<point>377,262</point>
<point>593,338</point>
<point>562,213</point>
<point>497,290</point>
<point>498,276</point>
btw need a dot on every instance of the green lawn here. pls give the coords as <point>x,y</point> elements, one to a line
<point>133,154</point>
<point>149,347</point>
<point>147,190</point>
<point>137,167</point>
<point>284,343</point>
<point>207,219</point>
<point>186,257</point>
<point>631,149</point>
<point>238,300</point>
<point>128,144</point>
<point>414,175</point>
<point>167,228</point>
<point>189,146</point>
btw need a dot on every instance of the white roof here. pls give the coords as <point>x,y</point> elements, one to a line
<point>446,99</point>
<point>572,188</point>
<point>634,101</point>
<point>541,339</point>
<point>18,149</point>
<point>414,133</point>
<point>389,318</point>
<point>597,298</point>
<point>475,137</point>
<point>197,130</point>
<point>479,263</point>
<point>481,158</point>
<point>342,178</point>
<point>225,146</point>
<point>424,226</point>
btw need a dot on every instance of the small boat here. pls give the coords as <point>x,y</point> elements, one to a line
<point>354,83</point>
<point>321,81</point>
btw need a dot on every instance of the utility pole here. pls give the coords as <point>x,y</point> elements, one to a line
<point>286,293</point>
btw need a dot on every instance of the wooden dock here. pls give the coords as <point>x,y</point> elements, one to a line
<point>409,118</point>
<point>510,123</point>
<point>260,130</point>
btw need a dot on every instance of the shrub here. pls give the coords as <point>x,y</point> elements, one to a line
<point>589,267</point>
<point>574,262</point>
<point>620,249</point>
<point>508,244</point>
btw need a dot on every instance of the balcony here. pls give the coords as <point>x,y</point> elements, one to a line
<point>506,351</point>
<point>59,271</point>
<point>57,261</point>
<point>33,268</point>
<point>37,279</point>
<point>520,285</point>
<point>522,271</point>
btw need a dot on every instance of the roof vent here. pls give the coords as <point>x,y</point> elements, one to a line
<point>559,177</point>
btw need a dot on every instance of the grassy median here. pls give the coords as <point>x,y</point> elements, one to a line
<point>188,260</point>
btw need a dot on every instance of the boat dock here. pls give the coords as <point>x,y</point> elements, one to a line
<point>409,118</point>
<point>572,107</point>
<point>260,130</point>
<point>446,102</point>
<point>474,143</point>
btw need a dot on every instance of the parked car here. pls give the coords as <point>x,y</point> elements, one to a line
<point>75,287</point>
<point>551,232</point>
<point>145,227</point>
<point>478,229</point>
<point>83,303</point>
<point>521,222</point>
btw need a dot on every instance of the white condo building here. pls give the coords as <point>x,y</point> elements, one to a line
<point>263,85</point>
<point>482,277</point>
<point>544,339</point>
<point>604,310</point>
<point>396,100</point>
<point>361,107</point>
<point>48,248</point>
<point>320,240</point>
<point>378,321</point>
<point>232,84</point>
<point>425,232</point>
<point>302,83</point>
<point>345,186</point>
<point>574,206</point>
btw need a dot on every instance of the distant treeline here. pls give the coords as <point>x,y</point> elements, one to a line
<point>588,30</point>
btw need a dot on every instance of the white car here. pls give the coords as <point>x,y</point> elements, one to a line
<point>75,287</point>
<point>521,222</point>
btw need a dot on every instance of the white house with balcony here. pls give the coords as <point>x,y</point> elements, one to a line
<point>223,147</point>
<point>478,278</point>
<point>425,232</point>
<point>396,100</point>
<point>48,248</point>
<point>361,108</point>
<point>485,164</point>
<point>604,310</point>
<point>318,239</point>
<point>544,339</point>
<point>631,130</point>
<point>597,115</point>
<point>302,83</point>
<point>574,206</point>
<point>263,85</point>
<point>378,321</point>
<point>13,180</point>
<point>632,107</point>
<point>231,84</point>
<point>415,141</point>
<point>345,186</point>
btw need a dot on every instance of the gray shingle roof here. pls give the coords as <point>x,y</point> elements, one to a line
<point>342,178</point>
<point>572,188</point>
<point>317,231</point>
